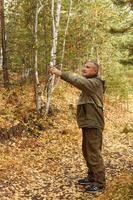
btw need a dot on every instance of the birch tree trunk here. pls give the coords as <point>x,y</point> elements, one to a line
<point>38,91</point>
<point>55,27</point>
<point>95,48</point>
<point>4,45</point>
<point>98,61</point>
<point>46,46</point>
<point>64,42</point>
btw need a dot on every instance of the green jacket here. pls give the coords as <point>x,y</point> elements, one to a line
<point>90,104</point>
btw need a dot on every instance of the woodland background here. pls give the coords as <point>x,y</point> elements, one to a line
<point>40,144</point>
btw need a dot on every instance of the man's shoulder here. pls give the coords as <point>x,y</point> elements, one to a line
<point>95,80</point>
<point>98,80</point>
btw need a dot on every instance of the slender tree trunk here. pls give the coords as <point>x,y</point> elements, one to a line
<point>55,26</point>
<point>98,61</point>
<point>46,46</point>
<point>64,42</point>
<point>4,45</point>
<point>38,91</point>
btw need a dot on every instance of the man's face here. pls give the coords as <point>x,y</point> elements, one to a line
<point>89,70</point>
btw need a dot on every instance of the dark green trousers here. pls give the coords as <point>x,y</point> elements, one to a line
<point>91,147</point>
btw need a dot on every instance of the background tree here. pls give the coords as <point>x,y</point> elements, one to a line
<point>123,35</point>
<point>4,45</point>
<point>38,91</point>
<point>55,30</point>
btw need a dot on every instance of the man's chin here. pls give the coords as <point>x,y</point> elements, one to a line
<point>89,75</point>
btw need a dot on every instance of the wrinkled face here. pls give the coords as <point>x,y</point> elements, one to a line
<point>89,70</point>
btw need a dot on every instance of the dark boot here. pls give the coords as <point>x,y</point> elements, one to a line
<point>84,181</point>
<point>94,189</point>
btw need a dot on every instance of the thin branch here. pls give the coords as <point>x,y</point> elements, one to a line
<point>41,7</point>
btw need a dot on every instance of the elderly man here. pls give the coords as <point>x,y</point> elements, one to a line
<point>90,118</point>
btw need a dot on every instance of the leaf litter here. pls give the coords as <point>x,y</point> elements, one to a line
<point>45,163</point>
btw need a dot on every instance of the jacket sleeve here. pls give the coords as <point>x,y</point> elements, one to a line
<point>87,85</point>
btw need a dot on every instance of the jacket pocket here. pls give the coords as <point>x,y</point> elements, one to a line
<point>85,111</point>
<point>81,111</point>
<point>89,111</point>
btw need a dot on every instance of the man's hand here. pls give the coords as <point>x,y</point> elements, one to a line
<point>54,70</point>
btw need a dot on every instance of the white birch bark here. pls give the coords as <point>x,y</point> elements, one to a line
<point>55,29</point>
<point>4,45</point>
<point>98,61</point>
<point>38,92</point>
<point>64,42</point>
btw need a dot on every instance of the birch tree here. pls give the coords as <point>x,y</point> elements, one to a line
<point>55,29</point>
<point>4,45</point>
<point>66,30</point>
<point>38,91</point>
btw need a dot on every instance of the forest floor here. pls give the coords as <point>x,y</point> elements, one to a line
<point>45,162</point>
